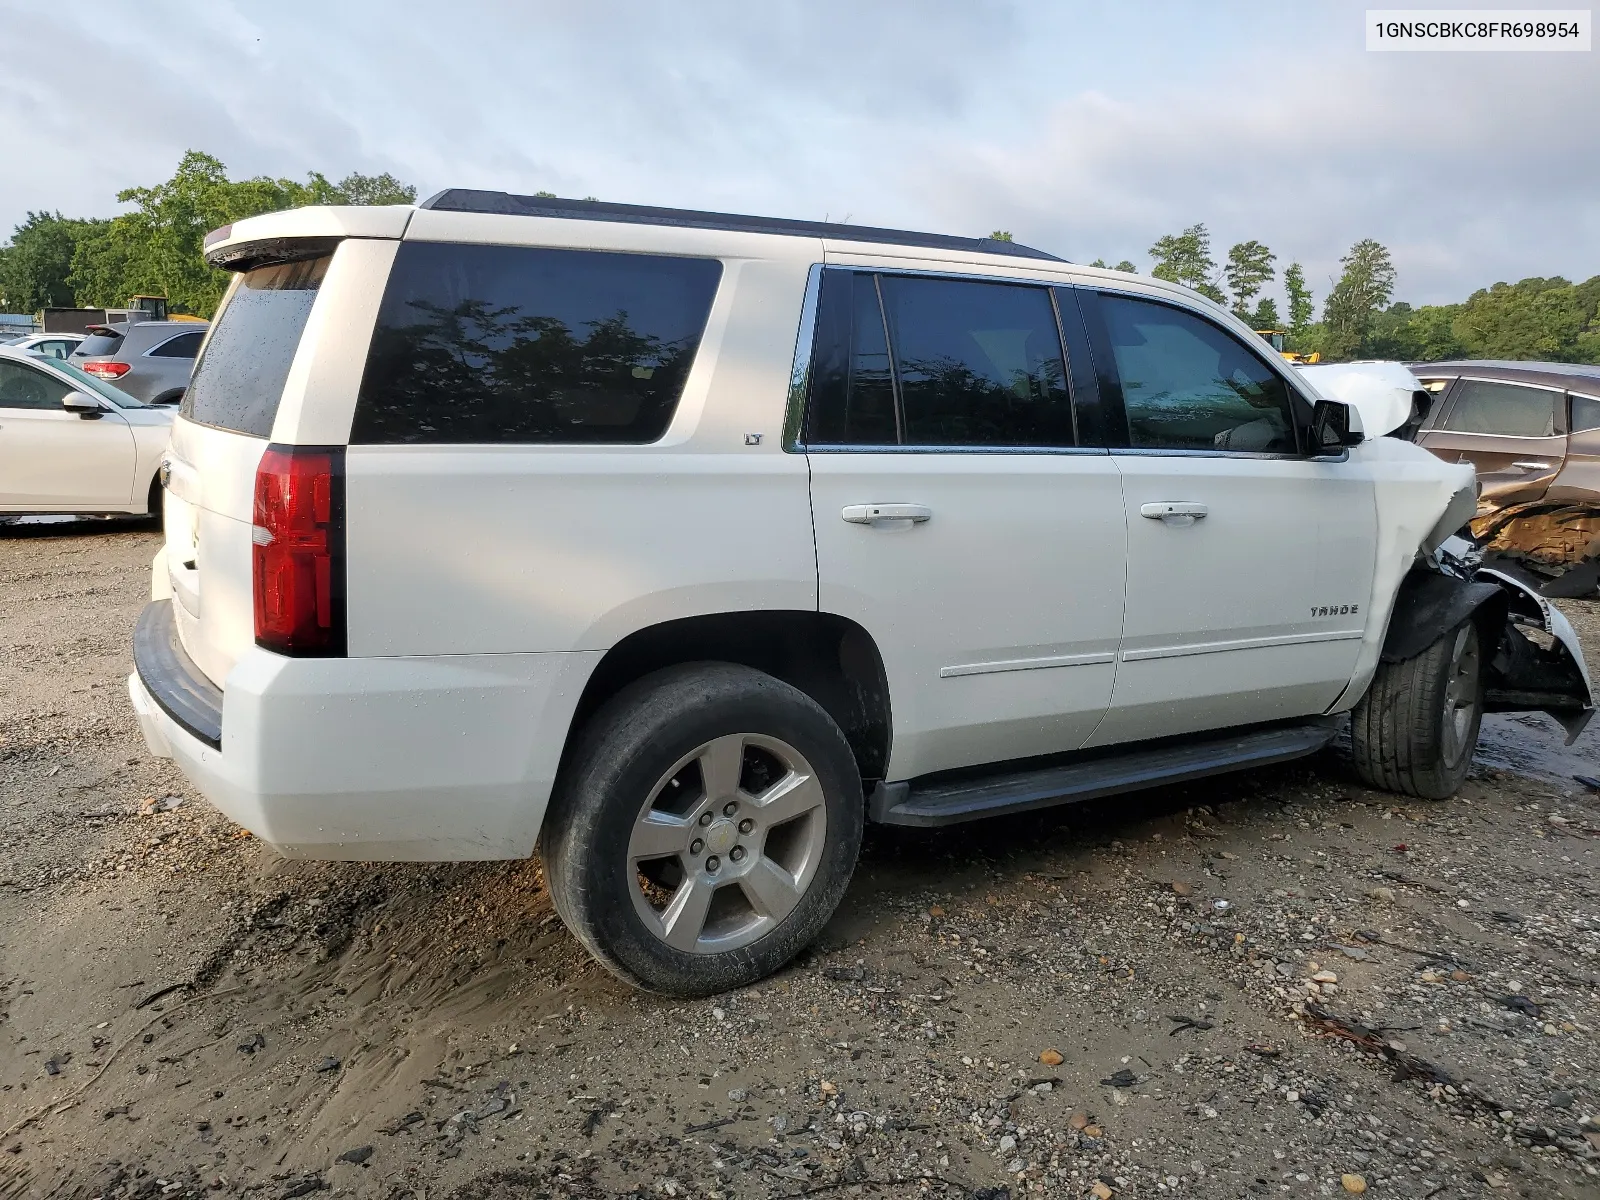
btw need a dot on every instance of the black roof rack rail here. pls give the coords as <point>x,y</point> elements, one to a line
<point>475,201</point>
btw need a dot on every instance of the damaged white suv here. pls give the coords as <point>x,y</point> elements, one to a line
<point>679,545</point>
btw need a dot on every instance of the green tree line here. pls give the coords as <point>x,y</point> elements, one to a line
<point>1551,319</point>
<point>155,249</point>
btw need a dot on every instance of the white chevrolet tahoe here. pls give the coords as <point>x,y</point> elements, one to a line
<point>679,545</point>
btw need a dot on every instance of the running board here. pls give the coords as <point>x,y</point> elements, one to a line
<point>951,802</point>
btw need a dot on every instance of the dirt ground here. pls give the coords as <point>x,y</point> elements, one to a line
<point>1272,984</point>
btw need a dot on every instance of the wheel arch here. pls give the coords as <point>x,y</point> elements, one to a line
<point>1429,603</point>
<point>829,658</point>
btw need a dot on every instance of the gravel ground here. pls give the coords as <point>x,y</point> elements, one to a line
<point>1272,984</point>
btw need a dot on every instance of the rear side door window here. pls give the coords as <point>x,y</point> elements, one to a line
<point>934,361</point>
<point>497,344</point>
<point>185,345</point>
<point>1190,385</point>
<point>1502,409</point>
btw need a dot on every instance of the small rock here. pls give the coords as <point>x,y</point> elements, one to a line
<point>1121,1079</point>
<point>1561,1099</point>
<point>1100,1191</point>
<point>718,1014</point>
<point>1093,1131</point>
<point>1355,952</point>
<point>1460,976</point>
<point>1353,1183</point>
<point>1325,977</point>
<point>1292,1096</point>
<point>738,1095</point>
<point>1384,894</point>
<point>828,1089</point>
<point>328,1064</point>
<point>936,910</point>
<point>251,1044</point>
<point>1007,1144</point>
<point>1051,1058</point>
<point>1182,887</point>
<point>1078,1120</point>
<point>358,1156</point>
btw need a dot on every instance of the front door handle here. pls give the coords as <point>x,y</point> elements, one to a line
<point>871,514</point>
<point>1532,466</point>
<point>1174,512</point>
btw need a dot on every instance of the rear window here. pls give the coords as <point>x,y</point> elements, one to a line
<point>239,379</point>
<point>99,343</point>
<point>487,344</point>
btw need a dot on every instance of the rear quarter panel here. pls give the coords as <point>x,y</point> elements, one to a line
<point>522,548</point>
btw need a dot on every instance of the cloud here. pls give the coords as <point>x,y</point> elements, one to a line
<point>1087,130</point>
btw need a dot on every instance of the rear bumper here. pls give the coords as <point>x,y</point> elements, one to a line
<point>423,759</point>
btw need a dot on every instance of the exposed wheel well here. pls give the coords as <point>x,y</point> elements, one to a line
<point>156,498</point>
<point>832,660</point>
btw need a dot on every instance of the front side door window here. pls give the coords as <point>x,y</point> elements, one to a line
<point>1188,385</point>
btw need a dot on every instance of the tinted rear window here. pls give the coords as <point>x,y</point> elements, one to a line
<point>490,344</point>
<point>239,379</point>
<point>99,343</point>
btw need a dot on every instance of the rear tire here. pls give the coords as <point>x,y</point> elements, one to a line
<point>704,828</point>
<point>1415,729</point>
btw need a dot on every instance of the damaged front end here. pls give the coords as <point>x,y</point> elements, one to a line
<point>1537,664</point>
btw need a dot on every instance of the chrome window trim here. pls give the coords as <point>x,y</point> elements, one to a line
<point>1193,452</point>
<point>1543,387</point>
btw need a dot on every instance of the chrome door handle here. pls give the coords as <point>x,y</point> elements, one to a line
<point>1532,466</point>
<point>1179,512</point>
<point>871,514</point>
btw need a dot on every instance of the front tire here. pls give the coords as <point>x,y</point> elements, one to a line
<point>1415,729</point>
<point>704,828</point>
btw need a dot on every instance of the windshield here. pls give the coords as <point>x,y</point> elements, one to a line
<point>98,387</point>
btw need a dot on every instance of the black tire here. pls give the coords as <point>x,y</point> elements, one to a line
<point>155,504</point>
<point>1415,729</point>
<point>610,786</point>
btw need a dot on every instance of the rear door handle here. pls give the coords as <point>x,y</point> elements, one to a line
<point>871,514</point>
<point>1179,512</point>
<point>1532,466</point>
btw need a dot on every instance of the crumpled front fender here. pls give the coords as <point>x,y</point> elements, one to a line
<point>1528,675</point>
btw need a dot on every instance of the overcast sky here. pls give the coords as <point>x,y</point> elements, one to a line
<point>1085,129</point>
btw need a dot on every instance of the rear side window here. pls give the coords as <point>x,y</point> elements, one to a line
<point>495,344</point>
<point>1507,409</point>
<point>239,379</point>
<point>99,343</point>
<point>922,361</point>
<point>1585,413</point>
<point>185,345</point>
<point>1188,385</point>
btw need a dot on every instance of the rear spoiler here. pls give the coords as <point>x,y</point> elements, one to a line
<point>301,233</point>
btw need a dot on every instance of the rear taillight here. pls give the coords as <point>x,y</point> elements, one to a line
<point>297,550</point>
<point>106,370</point>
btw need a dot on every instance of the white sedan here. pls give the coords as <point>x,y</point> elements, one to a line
<point>71,443</point>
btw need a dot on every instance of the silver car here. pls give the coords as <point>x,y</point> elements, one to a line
<point>151,360</point>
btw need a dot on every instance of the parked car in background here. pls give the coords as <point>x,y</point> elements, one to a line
<point>1532,432</point>
<point>71,443</point>
<point>151,360</point>
<point>683,544</point>
<point>51,345</point>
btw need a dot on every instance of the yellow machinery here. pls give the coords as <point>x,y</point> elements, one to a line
<point>1275,338</point>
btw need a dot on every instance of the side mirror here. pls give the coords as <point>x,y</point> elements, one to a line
<point>1330,428</point>
<point>81,403</point>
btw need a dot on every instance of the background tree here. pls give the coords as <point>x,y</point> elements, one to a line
<point>1186,258</point>
<point>1301,307</point>
<point>1264,315</point>
<point>156,248</point>
<point>1127,266</point>
<point>1362,290</point>
<point>34,268</point>
<point>1001,235</point>
<point>1249,269</point>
